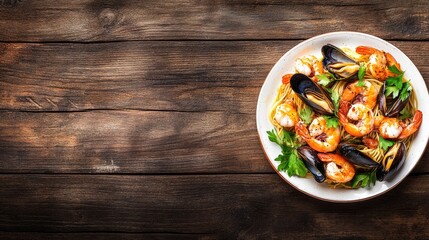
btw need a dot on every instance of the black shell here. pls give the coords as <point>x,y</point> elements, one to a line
<point>391,107</point>
<point>312,162</point>
<point>312,94</point>
<point>358,158</point>
<point>397,153</point>
<point>339,64</point>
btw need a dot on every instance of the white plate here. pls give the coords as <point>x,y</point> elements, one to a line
<point>286,65</point>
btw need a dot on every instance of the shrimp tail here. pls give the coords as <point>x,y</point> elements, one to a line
<point>369,142</point>
<point>391,61</point>
<point>286,78</point>
<point>413,127</point>
<point>325,157</point>
<point>349,93</point>
<point>302,131</point>
<point>342,112</point>
<point>365,50</point>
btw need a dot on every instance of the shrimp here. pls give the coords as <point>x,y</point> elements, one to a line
<point>286,114</point>
<point>367,94</point>
<point>318,136</point>
<point>286,78</point>
<point>378,62</point>
<point>369,142</point>
<point>364,100</point>
<point>309,66</point>
<point>361,117</point>
<point>393,128</point>
<point>338,169</point>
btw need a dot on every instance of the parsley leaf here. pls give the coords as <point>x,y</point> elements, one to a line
<point>394,69</point>
<point>361,74</point>
<point>396,86</point>
<point>405,113</point>
<point>279,158</point>
<point>289,139</point>
<point>306,115</point>
<point>360,180</point>
<point>391,81</point>
<point>384,144</point>
<point>364,179</point>
<point>295,166</point>
<point>273,137</point>
<point>289,159</point>
<point>323,79</point>
<point>405,92</point>
<point>331,122</point>
<point>284,138</point>
<point>392,89</point>
<point>336,99</point>
<point>395,81</point>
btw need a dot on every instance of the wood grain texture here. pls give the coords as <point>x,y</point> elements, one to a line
<point>177,76</point>
<point>130,142</point>
<point>104,236</point>
<point>96,20</point>
<point>225,207</point>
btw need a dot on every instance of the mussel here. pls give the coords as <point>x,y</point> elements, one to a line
<point>339,64</point>
<point>312,162</point>
<point>392,161</point>
<point>358,158</point>
<point>390,106</point>
<point>312,94</point>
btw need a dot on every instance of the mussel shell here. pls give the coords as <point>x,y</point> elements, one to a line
<point>339,64</point>
<point>392,162</point>
<point>312,162</point>
<point>312,94</point>
<point>382,101</point>
<point>358,158</point>
<point>393,107</point>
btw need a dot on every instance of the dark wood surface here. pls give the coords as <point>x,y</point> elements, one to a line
<point>136,120</point>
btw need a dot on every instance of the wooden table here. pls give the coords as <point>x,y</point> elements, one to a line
<point>136,119</point>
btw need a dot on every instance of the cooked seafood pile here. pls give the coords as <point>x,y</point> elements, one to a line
<point>348,117</point>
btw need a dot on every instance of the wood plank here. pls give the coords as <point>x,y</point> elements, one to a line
<point>177,76</point>
<point>103,235</point>
<point>130,142</point>
<point>194,76</point>
<point>235,206</point>
<point>94,20</point>
<point>134,142</point>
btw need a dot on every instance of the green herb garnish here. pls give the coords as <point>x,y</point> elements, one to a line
<point>396,86</point>
<point>361,74</point>
<point>406,89</point>
<point>331,122</point>
<point>364,179</point>
<point>391,89</point>
<point>323,79</point>
<point>289,159</point>
<point>306,115</point>
<point>394,70</point>
<point>336,100</point>
<point>384,144</point>
<point>405,113</point>
<point>295,167</point>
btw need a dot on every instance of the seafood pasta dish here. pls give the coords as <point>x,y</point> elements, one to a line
<point>347,117</point>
